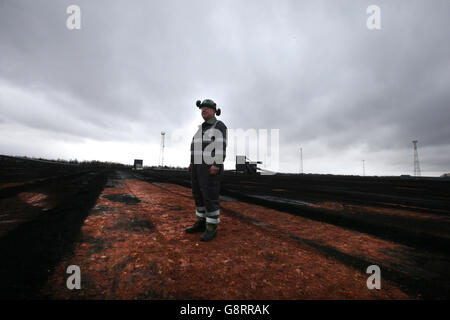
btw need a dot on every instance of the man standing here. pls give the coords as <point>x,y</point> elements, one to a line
<point>207,156</point>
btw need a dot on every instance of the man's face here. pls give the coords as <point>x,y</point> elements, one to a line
<point>207,113</point>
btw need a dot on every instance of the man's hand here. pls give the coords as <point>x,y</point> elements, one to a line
<point>214,170</point>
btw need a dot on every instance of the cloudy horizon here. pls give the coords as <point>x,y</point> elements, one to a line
<point>312,69</point>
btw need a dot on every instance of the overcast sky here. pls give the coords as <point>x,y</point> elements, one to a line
<point>311,69</point>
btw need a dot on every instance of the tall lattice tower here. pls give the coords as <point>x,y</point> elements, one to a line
<point>364,168</point>
<point>161,155</point>
<point>416,160</point>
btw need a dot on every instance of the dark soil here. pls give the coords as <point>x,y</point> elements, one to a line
<point>280,237</point>
<point>30,251</point>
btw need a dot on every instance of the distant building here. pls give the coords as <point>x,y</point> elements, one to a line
<point>138,164</point>
<point>445,175</point>
<point>244,166</point>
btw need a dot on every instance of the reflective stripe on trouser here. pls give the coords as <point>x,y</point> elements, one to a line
<point>200,212</point>
<point>213,220</point>
<point>213,217</point>
<point>205,189</point>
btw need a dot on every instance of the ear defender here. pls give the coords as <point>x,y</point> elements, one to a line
<point>208,103</point>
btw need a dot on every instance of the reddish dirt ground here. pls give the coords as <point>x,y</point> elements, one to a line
<point>139,251</point>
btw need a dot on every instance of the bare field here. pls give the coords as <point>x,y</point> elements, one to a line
<point>280,237</point>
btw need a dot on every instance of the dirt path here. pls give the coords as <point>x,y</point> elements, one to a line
<point>133,246</point>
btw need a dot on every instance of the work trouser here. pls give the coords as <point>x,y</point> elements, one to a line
<point>206,188</point>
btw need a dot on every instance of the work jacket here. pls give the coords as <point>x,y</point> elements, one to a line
<point>208,146</point>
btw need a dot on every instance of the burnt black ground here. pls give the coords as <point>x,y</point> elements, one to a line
<point>30,252</point>
<point>22,170</point>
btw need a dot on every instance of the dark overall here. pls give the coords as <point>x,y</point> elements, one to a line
<point>206,187</point>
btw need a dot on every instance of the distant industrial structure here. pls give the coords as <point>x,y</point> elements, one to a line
<point>243,165</point>
<point>364,168</point>
<point>138,164</point>
<point>416,160</point>
<point>161,155</point>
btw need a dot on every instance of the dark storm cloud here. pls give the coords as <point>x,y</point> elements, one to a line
<point>366,82</point>
<point>310,68</point>
<point>126,64</point>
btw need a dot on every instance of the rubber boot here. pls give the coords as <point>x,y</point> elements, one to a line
<point>199,226</point>
<point>210,232</point>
